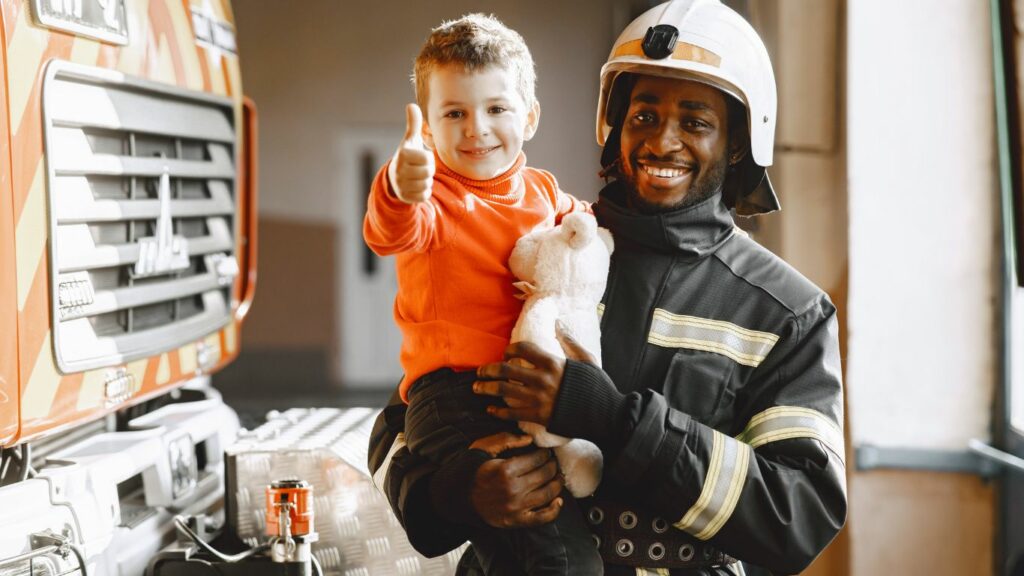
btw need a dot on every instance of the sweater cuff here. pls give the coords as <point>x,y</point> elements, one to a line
<point>588,405</point>
<point>450,487</point>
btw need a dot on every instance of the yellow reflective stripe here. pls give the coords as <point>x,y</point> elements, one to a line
<point>785,422</point>
<point>600,309</point>
<point>744,346</point>
<point>705,345</point>
<point>727,473</point>
<point>683,51</point>
<point>381,473</point>
<point>653,572</point>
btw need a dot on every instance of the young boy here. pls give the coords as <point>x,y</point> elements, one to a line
<point>452,215</point>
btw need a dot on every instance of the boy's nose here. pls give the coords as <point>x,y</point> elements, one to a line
<point>477,127</point>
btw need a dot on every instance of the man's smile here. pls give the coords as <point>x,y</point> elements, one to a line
<point>661,174</point>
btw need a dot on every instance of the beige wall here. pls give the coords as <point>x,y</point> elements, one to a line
<point>923,255</point>
<point>317,66</point>
<point>882,190</point>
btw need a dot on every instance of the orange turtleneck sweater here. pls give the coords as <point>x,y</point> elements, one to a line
<point>456,306</point>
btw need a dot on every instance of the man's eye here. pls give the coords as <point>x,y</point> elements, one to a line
<point>695,124</point>
<point>643,118</point>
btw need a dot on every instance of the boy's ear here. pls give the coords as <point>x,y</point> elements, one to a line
<point>532,121</point>
<point>428,136</point>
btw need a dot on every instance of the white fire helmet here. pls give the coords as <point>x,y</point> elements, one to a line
<point>707,42</point>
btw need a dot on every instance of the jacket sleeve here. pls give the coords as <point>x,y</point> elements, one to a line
<point>392,226</point>
<point>775,494</point>
<point>410,484</point>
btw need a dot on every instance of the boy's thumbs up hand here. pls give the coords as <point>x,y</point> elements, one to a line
<point>411,172</point>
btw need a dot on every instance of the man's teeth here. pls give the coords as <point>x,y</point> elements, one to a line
<point>663,172</point>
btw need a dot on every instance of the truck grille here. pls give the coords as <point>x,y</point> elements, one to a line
<point>142,196</point>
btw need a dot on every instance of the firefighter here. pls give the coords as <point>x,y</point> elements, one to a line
<point>719,407</point>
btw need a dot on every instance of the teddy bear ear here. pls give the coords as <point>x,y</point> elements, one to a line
<point>606,237</point>
<point>578,229</point>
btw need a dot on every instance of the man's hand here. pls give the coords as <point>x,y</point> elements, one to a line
<point>411,172</point>
<point>572,349</point>
<point>516,492</point>
<point>529,389</point>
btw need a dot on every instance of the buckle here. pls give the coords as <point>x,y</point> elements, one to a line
<point>660,41</point>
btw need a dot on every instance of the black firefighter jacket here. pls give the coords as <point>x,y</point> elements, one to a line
<point>719,406</point>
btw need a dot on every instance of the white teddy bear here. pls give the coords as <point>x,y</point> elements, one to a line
<point>562,273</point>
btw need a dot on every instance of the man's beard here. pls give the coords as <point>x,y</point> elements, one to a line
<point>703,188</point>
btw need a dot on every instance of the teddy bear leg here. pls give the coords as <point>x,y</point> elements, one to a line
<point>541,437</point>
<point>581,462</point>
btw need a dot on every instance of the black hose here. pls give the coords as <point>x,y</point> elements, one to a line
<point>26,456</point>
<point>78,554</point>
<point>182,526</point>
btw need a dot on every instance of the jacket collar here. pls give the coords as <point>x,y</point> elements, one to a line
<point>694,231</point>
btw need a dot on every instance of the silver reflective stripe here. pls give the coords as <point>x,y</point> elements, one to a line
<point>784,422</point>
<point>747,347</point>
<point>723,484</point>
<point>381,473</point>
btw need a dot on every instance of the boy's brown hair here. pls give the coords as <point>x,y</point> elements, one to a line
<point>474,42</point>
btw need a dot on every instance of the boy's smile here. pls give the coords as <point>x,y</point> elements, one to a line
<point>477,121</point>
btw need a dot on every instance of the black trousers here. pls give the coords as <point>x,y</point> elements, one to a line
<point>444,417</point>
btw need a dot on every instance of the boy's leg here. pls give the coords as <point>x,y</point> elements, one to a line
<point>562,547</point>
<point>444,417</point>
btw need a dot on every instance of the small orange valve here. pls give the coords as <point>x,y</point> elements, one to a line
<point>289,499</point>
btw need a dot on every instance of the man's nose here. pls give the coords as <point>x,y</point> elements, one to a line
<point>666,140</point>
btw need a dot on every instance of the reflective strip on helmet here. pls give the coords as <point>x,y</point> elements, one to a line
<point>785,422</point>
<point>747,347</point>
<point>381,474</point>
<point>683,51</point>
<point>723,484</point>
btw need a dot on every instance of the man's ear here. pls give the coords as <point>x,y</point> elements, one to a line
<point>428,136</point>
<point>739,144</point>
<point>532,121</point>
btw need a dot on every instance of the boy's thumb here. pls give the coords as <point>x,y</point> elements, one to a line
<point>413,125</point>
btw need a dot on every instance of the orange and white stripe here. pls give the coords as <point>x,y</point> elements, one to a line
<point>161,48</point>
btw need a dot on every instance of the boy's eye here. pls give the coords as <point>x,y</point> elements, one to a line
<point>454,114</point>
<point>497,109</point>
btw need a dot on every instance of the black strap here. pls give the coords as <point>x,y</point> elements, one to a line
<point>631,537</point>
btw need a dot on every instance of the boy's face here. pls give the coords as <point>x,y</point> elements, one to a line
<point>477,121</point>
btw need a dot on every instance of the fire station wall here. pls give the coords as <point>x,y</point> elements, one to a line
<point>805,41</point>
<point>317,67</point>
<point>922,286</point>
